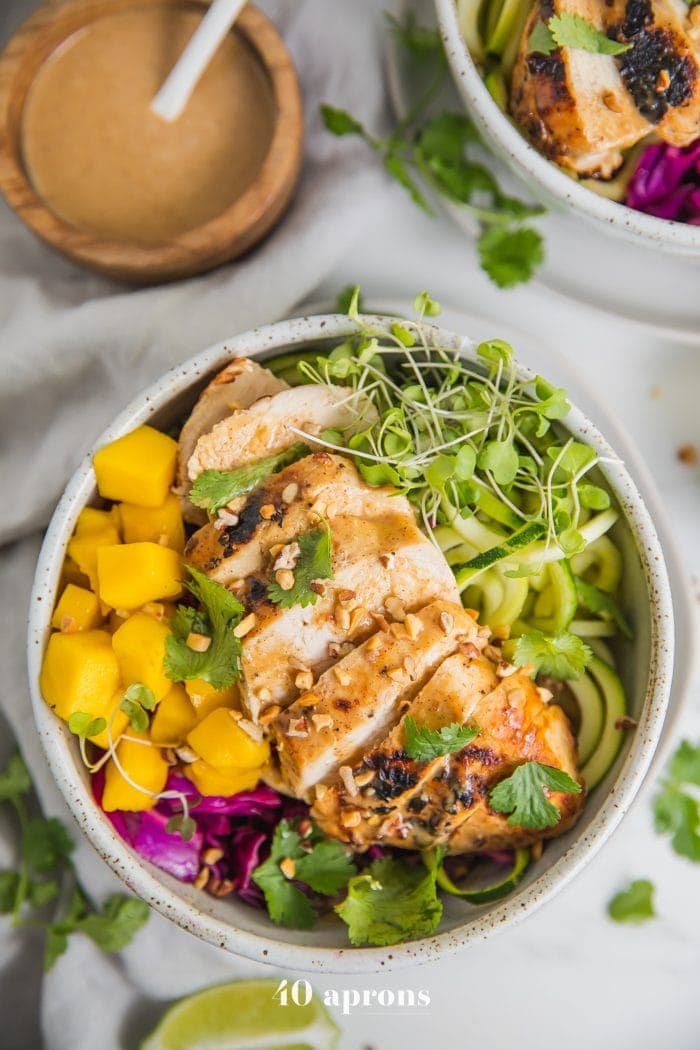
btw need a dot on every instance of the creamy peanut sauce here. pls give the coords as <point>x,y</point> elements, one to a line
<point>103,162</point>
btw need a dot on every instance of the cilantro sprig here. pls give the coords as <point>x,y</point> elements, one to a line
<point>441,153</point>
<point>391,902</point>
<point>562,655</point>
<point>314,563</point>
<point>574,31</point>
<point>27,892</point>
<point>522,795</point>
<point>321,864</point>
<point>424,744</point>
<point>676,805</point>
<point>220,663</point>
<point>634,904</point>
<point>213,489</point>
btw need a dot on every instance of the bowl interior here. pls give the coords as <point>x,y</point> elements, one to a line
<point>543,178</point>
<point>645,665</point>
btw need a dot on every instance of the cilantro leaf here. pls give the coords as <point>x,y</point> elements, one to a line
<point>561,655</point>
<point>676,812</point>
<point>339,122</point>
<point>633,904</point>
<point>46,844</point>
<point>220,663</point>
<point>347,298</point>
<point>541,41</point>
<point>522,795</point>
<point>569,30</point>
<point>14,779</point>
<point>115,925</point>
<point>56,945</point>
<point>391,902</point>
<point>314,563</point>
<point>424,744</point>
<point>510,256</point>
<point>325,868</point>
<point>213,489</point>
<point>398,169</point>
<point>602,603</point>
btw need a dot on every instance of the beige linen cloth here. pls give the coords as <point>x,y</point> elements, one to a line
<point>73,351</point>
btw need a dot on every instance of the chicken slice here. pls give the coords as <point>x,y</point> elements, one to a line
<point>285,505</point>
<point>572,104</point>
<point>661,70</point>
<point>398,801</point>
<point>266,427</point>
<point>353,704</point>
<point>387,779</point>
<point>380,566</point>
<point>237,386</point>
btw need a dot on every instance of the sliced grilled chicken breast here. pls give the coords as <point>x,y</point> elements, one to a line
<point>661,70</point>
<point>285,505</point>
<point>237,386</point>
<point>266,427</point>
<point>571,104</point>
<point>355,703</point>
<point>380,566</point>
<point>392,799</point>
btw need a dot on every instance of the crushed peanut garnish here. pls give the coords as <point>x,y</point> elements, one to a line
<point>343,677</point>
<point>264,695</point>
<point>269,715</point>
<point>288,868</point>
<point>245,626</point>
<point>298,727</point>
<point>69,625</point>
<point>267,511</point>
<point>226,520</point>
<point>155,609</point>
<point>447,621</point>
<point>388,560</point>
<point>357,616</point>
<point>351,818</point>
<point>287,557</point>
<point>199,643</point>
<point>186,755</point>
<point>318,587</point>
<point>612,102</point>
<point>545,695</point>
<point>321,791</point>
<point>493,653</point>
<point>381,621</point>
<point>344,595</point>
<point>364,778</point>
<point>374,643</point>
<point>505,670</point>
<point>341,617</point>
<point>397,674</point>
<point>322,721</point>
<point>413,625</point>
<point>310,700</point>
<point>290,492</point>
<point>202,878</point>
<point>285,578</point>
<point>501,632</point>
<point>395,608</point>
<point>536,850</point>
<point>304,680</point>
<point>349,782</point>
<point>250,729</point>
<point>212,855</point>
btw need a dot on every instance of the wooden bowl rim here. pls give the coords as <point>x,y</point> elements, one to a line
<point>239,226</point>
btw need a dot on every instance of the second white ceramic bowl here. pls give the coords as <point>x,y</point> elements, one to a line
<point>544,179</point>
<point>646,666</point>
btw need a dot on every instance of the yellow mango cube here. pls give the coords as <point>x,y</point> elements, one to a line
<point>161,524</point>
<point>205,698</point>
<point>91,519</point>
<point>80,672</point>
<point>70,573</point>
<point>83,550</point>
<point>220,741</point>
<point>143,764</point>
<point>173,719</point>
<point>139,645</point>
<point>137,468</point>
<point>131,574</point>
<point>77,610</point>
<point>210,781</point>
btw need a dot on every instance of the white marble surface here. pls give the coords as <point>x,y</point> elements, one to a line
<point>568,977</point>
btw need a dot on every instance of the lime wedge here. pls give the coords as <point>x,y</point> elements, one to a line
<point>243,1015</point>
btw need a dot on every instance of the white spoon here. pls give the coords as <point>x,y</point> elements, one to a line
<point>184,76</point>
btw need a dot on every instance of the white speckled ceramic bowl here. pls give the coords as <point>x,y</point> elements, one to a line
<point>544,179</point>
<point>646,667</point>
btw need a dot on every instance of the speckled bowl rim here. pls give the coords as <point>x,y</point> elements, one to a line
<point>143,879</point>
<point>531,167</point>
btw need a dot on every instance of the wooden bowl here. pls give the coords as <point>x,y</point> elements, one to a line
<point>246,221</point>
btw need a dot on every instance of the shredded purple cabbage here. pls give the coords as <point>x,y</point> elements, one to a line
<point>242,826</point>
<point>666,183</point>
